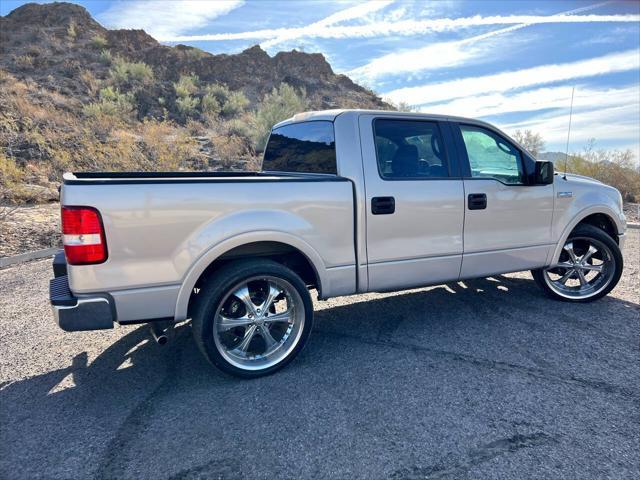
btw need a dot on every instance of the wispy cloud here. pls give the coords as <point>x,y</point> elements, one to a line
<point>434,56</point>
<point>447,54</point>
<point>586,98</point>
<point>400,28</point>
<point>613,124</point>
<point>165,19</point>
<point>544,74</point>
<point>356,12</point>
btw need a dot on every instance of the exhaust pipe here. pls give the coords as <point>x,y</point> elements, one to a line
<point>159,334</point>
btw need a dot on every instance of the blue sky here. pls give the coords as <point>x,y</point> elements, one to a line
<point>511,63</point>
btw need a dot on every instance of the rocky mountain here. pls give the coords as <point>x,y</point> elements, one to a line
<point>75,95</point>
<point>60,41</point>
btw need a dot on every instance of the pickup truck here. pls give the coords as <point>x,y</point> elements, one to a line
<point>347,202</point>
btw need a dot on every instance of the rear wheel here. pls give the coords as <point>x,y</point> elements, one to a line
<point>252,317</point>
<point>589,267</point>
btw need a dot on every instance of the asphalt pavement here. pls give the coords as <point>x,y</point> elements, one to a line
<point>481,379</point>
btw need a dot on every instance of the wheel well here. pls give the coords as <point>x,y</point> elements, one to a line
<point>603,222</point>
<point>278,252</point>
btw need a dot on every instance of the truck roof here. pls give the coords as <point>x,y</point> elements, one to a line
<point>330,115</point>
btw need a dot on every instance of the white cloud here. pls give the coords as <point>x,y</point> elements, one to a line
<point>500,82</point>
<point>613,125</point>
<point>358,11</point>
<point>439,55</point>
<point>165,19</point>
<point>538,99</point>
<point>434,56</point>
<point>610,115</point>
<point>387,28</point>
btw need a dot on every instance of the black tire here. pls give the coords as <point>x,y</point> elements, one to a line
<point>214,291</point>
<point>588,231</point>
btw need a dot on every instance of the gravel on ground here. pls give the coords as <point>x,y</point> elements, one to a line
<point>477,379</point>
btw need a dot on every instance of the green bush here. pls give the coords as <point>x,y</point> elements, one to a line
<point>613,167</point>
<point>240,127</point>
<point>123,72</point>
<point>99,42</point>
<point>276,106</point>
<point>187,105</point>
<point>112,103</point>
<point>220,92</point>
<point>186,85</point>
<point>236,103</point>
<point>210,105</point>
<point>105,57</point>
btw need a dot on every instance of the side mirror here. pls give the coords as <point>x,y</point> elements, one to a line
<point>543,174</point>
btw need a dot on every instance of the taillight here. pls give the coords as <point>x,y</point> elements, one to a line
<point>83,236</point>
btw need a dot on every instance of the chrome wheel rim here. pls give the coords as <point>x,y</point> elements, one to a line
<point>585,268</point>
<point>258,323</point>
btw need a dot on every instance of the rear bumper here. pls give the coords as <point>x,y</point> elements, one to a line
<point>73,314</point>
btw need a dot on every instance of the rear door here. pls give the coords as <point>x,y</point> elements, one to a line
<point>415,202</point>
<point>507,224</point>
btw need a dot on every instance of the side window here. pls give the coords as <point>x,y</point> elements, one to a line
<point>409,149</point>
<point>491,156</point>
<point>307,147</point>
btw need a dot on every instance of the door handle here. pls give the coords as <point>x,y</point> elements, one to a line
<point>383,205</point>
<point>477,201</point>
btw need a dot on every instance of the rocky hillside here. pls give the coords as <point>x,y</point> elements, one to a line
<point>75,95</point>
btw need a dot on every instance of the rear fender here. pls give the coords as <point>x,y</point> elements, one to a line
<point>245,238</point>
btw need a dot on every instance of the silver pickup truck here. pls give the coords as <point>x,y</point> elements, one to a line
<point>348,201</point>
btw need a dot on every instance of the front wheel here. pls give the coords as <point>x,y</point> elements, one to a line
<point>589,267</point>
<point>252,317</point>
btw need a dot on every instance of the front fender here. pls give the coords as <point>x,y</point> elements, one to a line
<point>579,217</point>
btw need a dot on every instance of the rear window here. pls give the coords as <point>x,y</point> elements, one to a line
<point>307,147</point>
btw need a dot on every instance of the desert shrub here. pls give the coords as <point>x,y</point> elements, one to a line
<point>90,82</point>
<point>218,91</point>
<point>12,187</point>
<point>187,106</point>
<point>235,104</point>
<point>123,72</point>
<point>230,149</point>
<point>71,31</point>
<point>613,167</point>
<point>276,106</point>
<point>105,57</point>
<point>166,146</point>
<point>141,72</point>
<point>186,85</point>
<point>10,173</point>
<point>99,42</point>
<point>210,105</point>
<point>240,127</point>
<point>112,103</point>
<point>23,62</point>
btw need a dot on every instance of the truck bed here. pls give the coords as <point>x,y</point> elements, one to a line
<point>160,227</point>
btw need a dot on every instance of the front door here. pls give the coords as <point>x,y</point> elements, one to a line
<point>507,224</point>
<point>415,203</point>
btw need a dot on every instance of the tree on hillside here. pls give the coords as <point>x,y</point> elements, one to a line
<point>530,140</point>
<point>613,167</point>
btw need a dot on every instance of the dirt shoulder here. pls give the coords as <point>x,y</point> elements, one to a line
<point>29,228</point>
